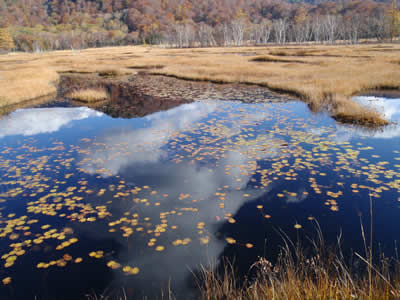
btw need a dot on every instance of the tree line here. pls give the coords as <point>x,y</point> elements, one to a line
<point>39,25</point>
<point>328,29</point>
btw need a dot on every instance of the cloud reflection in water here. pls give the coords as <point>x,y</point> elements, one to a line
<point>143,163</point>
<point>33,121</point>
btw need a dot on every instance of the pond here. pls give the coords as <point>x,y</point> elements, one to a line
<point>91,204</point>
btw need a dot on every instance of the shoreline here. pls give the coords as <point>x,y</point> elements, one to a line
<point>323,76</point>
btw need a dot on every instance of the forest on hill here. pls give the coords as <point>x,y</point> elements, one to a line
<point>37,25</point>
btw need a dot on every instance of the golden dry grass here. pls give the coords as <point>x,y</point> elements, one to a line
<point>26,83</point>
<point>319,273</point>
<point>297,281</point>
<point>326,77</point>
<point>88,95</point>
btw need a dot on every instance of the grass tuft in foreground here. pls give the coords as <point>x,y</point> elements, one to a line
<point>88,95</point>
<point>321,274</point>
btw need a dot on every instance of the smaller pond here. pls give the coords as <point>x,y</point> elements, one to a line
<point>142,203</point>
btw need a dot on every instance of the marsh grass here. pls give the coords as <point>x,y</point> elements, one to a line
<point>266,58</point>
<point>350,111</point>
<point>146,67</point>
<point>297,52</point>
<point>323,73</point>
<point>75,72</point>
<point>110,73</point>
<point>26,83</point>
<point>320,273</point>
<point>4,110</point>
<point>88,95</point>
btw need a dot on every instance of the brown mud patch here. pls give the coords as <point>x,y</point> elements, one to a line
<point>171,87</point>
<point>125,100</point>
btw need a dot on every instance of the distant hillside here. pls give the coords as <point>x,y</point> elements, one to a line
<point>55,24</point>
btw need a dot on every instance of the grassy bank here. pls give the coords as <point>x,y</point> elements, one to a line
<point>323,76</point>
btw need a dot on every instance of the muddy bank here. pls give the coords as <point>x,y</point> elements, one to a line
<point>125,100</point>
<point>164,86</point>
<point>390,94</point>
<point>142,94</point>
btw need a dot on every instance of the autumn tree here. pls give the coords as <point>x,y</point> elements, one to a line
<point>260,33</point>
<point>301,27</point>
<point>6,41</point>
<point>238,27</point>
<point>280,29</point>
<point>206,35</point>
<point>394,20</point>
<point>330,26</point>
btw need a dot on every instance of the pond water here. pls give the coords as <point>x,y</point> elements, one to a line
<point>90,204</point>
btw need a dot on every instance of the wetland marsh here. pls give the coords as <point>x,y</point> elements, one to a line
<point>140,203</point>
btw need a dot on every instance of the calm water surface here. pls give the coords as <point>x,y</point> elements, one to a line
<point>90,204</point>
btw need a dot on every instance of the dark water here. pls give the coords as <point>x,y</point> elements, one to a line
<point>90,204</point>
